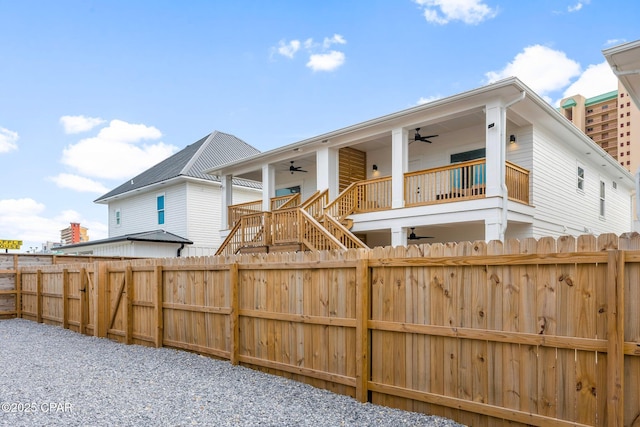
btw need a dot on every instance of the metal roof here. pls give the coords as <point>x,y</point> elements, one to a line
<point>156,236</point>
<point>213,150</point>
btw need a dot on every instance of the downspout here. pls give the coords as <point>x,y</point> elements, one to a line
<point>180,250</point>
<point>503,162</point>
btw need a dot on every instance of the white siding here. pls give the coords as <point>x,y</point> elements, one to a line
<point>139,214</point>
<point>560,204</point>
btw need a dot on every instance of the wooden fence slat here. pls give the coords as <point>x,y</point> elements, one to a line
<point>65,298</point>
<point>615,356</point>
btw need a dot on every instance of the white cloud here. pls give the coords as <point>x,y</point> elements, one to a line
<point>26,220</point>
<point>543,69</point>
<point>78,183</point>
<point>8,140</point>
<point>288,49</point>
<point>320,59</point>
<point>78,124</point>
<point>444,11</point>
<point>596,80</point>
<point>578,6</point>
<point>326,61</point>
<point>336,39</point>
<point>114,153</point>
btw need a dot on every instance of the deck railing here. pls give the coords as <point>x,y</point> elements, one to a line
<point>286,226</point>
<point>362,196</point>
<point>250,231</point>
<point>316,204</point>
<point>348,239</point>
<point>517,179</point>
<point>235,212</point>
<point>284,202</point>
<point>461,181</point>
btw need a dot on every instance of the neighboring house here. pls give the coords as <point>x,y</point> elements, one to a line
<point>173,208</point>
<point>493,163</point>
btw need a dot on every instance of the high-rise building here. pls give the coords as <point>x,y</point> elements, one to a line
<point>609,119</point>
<point>74,234</point>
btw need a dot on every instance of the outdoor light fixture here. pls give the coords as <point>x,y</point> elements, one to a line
<point>375,168</point>
<point>512,139</point>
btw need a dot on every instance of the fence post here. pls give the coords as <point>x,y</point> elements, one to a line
<point>18,287</point>
<point>615,338</point>
<point>158,307</point>
<point>235,308</point>
<point>128,286</point>
<point>65,298</point>
<point>99,301</point>
<point>362,329</point>
<point>39,296</point>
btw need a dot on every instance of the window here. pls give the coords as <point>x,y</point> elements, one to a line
<point>469,155</point>
<point>614,185</point>
<point>580,178</point>
<point>602,198</point>
<point>287,191</point>
<point>589,120</point>
<point>160,208</point>
<point>117,217</point>
<point>605,107</point>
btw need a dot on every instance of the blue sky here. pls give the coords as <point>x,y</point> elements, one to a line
<point>94,92</point>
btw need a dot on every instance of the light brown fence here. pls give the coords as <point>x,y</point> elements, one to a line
<point>543,333</point>
<point>10,279</point>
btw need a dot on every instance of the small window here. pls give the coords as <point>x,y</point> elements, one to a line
<point>287,191</point>
<point>117,216</point>
<point>580,178</point>
<point>614,185</point>
<point>160,208</point>
<point>602,198</point>
<point>605,107</point>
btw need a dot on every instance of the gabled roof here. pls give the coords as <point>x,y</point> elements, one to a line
<point>215,149</point>
<point>156,236</point>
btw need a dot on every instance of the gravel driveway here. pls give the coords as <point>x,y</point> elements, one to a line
<point>52,376</point>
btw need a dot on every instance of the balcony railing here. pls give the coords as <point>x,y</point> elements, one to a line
<point>461,181</point>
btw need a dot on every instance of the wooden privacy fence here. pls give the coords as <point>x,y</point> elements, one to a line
<point>10,280</point>
<point>543,333</point>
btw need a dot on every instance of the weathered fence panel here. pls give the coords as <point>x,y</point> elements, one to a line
<point>527,332</point>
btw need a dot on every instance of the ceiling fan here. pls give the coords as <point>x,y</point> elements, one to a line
<point>293,168</point>
<point>418,137</point>
<point>412,235</point>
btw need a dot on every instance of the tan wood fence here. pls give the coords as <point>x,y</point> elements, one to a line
<point>533,332</point>
<point>10,280</point>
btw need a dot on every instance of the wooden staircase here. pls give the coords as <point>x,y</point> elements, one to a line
<point>287,228</point>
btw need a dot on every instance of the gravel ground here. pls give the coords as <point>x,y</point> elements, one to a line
<point>52,376</point>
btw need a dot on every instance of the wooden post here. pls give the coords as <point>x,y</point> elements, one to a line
<point>235,309</point>
<point>18,287</point>
<point>39,296</point>
<point>615,335</point>
<point>83,300</point>
<point>128,324</point>
<point>362,329</point>
<point>65,298</point>
<point>158,307</point>
<point>99,301</point>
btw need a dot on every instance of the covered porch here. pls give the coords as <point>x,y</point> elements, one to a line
<point>426,160</point>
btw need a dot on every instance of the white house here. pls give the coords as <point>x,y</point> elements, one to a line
<point>495,162</point>
<point>173,208</point>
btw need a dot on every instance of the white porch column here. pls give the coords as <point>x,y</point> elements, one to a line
<point>268,186</point>
<point>492,229</point>
<point>494,145</point>
<point>327,171</point>
<point>399,165</point>
<point>227,200</point>
<point>398,236</point>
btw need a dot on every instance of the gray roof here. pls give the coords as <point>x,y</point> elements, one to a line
<point>157,236</point>
<point>215,149</point>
